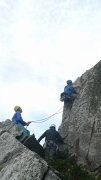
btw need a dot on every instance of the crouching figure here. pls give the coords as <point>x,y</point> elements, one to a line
<point>52,139</point>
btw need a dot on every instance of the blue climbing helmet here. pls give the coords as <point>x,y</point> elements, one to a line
<point>69,81</point>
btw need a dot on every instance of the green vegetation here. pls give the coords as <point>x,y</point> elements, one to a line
<point>69,170</point>
<point>1,167</point>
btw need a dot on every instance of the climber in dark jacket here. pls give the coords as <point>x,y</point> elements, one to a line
<point>51,134</point>
<point>52,138</point>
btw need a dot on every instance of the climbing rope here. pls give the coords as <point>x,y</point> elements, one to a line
<point>47,118</point>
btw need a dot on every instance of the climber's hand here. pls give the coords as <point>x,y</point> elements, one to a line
<point>27,123</point>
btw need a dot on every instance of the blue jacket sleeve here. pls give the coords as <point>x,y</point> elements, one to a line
<point>20,120</point>
<point>74,91</point>
<point>65,88</point>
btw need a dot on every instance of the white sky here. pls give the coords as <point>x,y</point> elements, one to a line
<point>42,44</point>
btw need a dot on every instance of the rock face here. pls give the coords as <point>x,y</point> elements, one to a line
<point>81,123</point>
<point>17,162</point>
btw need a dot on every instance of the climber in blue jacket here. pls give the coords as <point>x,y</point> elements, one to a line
<point>17,118</point>
<point>69,91</point>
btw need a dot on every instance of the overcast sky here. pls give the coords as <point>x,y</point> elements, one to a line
<point>42,44</point>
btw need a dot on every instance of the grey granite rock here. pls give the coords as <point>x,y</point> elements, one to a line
<point>81,123</point>
<point>17,162</point>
